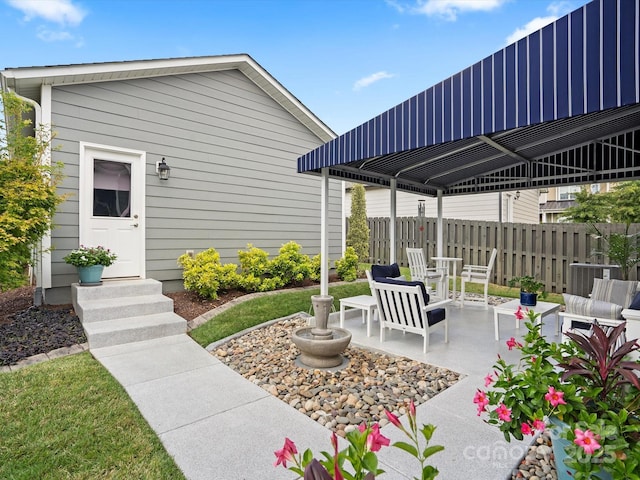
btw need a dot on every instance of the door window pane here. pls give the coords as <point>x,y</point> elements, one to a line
<point>111,189</point>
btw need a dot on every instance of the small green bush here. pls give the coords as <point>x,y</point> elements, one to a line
<point>314,268</point>
<point>290,266</point>
<point>254,269</point>
<point>347,266</point>
<point>205,275</point>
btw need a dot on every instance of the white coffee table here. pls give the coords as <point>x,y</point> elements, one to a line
<point>366,303</point>
<point>543,308</point>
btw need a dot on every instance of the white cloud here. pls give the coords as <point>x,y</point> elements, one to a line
<point>449,9</point>
<point>555,9</point>
<point>63,12</point>
<point>47,35</point>
<point>366,81</point>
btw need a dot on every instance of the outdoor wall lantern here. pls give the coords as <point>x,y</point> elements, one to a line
<point>517,194</point>
<point>163,170</point>
<point>421,208</point>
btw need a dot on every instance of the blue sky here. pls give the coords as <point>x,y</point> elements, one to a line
<point>346,60</point>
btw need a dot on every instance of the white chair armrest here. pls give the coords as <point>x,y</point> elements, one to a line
<point>438,304</point>
<point>630,314</point>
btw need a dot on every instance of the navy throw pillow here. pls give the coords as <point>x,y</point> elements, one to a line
<point>393,281</point>
<point>635,304</point>
<point>391,271</point>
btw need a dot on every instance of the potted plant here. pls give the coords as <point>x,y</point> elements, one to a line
<point>583,390</point>
<point>90,262</point>
<point>530,289</point>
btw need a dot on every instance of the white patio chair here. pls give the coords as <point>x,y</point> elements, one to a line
<point>478,274</point>
<point>420,271</point>
<point>403,306</point>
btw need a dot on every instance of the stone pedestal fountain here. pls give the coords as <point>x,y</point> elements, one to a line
<point>321,347</point>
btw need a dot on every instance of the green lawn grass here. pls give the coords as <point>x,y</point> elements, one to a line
<point>70,419</point>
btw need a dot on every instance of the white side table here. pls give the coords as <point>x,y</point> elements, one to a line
<point>509,308</point>
<point>443,262</point>
<point>366,303</point>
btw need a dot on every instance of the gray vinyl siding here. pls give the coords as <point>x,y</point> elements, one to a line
<point>232,151</point>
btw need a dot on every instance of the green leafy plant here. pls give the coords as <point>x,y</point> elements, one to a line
<point>586,383</point>
<point>291,266</point>
<point>28,198</point>
<point>89,256</point>
<point>360,455</point>
<point>347,266</point>
<point>528,284</point>
<point>206,275</point>
<point>358,232</point>
<point>254,269</point>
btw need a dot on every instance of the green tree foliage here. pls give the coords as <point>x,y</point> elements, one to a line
<point>589,208</point>
<point>358,234</point>
<point>621,205</point>
<point>28,198</point>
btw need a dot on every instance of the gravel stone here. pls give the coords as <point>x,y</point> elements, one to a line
<point>339,400</point>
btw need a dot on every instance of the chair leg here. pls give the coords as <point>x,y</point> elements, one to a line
<point>425,343</point>
<point>446,326</point>
<point>462,284</point>
<point>486,294</point>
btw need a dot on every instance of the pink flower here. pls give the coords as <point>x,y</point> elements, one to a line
<point>286,453</point>
<point>504,413</point>
<point>488,380</point>
<point>337,474</point>
<point>362,427</point>
<point>375,440</point>
<point>513,343</point>
<point>481,400</point>
<point>393,419</point>
<point>519,314</point>
<point>587,440</point>
<point>525,428</point>
<point>539,425</point>
<point>412,409</point>
<point>555,397</point>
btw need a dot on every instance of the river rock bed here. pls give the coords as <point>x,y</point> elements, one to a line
<point>340,400</point>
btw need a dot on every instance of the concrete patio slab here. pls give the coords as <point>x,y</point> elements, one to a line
<point>138,362</point>
<point>177,400</point>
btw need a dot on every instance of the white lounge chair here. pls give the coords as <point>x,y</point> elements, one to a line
<point>405,306</point>
<point>420,271</point>
<point>478,274</point>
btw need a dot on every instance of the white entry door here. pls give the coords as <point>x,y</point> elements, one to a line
<point>112,206</point>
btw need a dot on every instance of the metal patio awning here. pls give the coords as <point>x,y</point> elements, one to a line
<point>560,106</point>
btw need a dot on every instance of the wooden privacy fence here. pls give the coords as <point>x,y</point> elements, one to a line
<point>545,250</point>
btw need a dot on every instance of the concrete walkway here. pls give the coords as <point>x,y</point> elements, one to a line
<point>219,426</point>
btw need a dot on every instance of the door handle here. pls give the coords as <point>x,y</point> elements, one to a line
<point>134,224</point>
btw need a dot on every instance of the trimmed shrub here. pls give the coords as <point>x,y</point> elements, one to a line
<point>358,234</point>
<point>205,275</point>
<point>290,266</point>
<point>347,266</point>
<point>254,268</point>
<point>314,268</point>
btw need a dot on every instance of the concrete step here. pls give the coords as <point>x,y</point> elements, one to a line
<point>134,329</point>
<point>115,289</point>
<point>124,307</point>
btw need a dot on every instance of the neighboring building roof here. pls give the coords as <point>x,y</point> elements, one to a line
<point>556,205</point>
<point>26,81</point>
<point>558,107</point>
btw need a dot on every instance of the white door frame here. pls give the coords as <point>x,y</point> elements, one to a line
<point>138,164</point>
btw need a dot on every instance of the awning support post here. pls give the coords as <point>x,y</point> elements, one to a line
<point>392,226</point>
<point>324,234</point>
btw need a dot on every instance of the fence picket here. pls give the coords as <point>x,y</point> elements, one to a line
<point>545,250</point>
